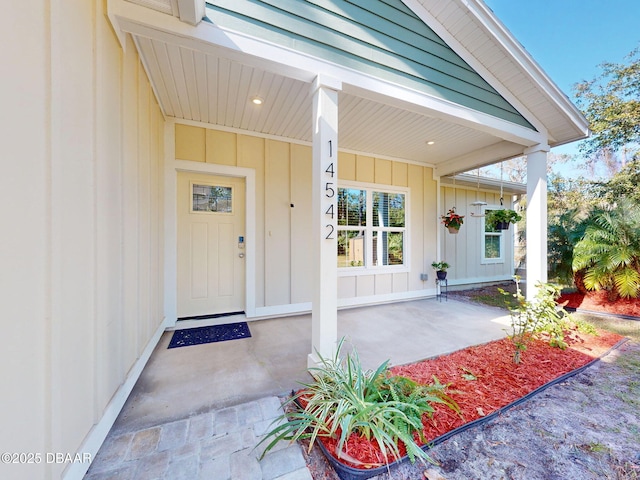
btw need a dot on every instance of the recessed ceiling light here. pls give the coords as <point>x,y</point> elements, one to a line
<point>256,101</point>
<point>430,142</point>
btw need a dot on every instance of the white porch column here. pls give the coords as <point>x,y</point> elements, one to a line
<point>536,217</point>
<point>324,315</point>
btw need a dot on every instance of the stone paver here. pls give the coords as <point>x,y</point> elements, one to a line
<point>276,464</point>
<point>245,465</point>
<point>152,466</point>
<point>222,445</point>
<point>300,474</point>
<point>185,468</point>
<point>200,426</point>
<point>113,452</point>
<point>144,443</point>
<point>173,435</point>
<point>215,468</point>
<point>214,445</point>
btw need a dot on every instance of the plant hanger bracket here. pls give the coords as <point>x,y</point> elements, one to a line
<point>478,204</point>
<point>501,183</point>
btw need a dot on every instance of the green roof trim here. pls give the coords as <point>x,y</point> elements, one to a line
<point>382,38</point>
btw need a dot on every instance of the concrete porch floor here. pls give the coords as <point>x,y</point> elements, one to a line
<point>184,384</point>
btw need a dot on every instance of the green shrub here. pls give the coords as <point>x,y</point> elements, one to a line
<point>346,400</point>
<point>609,252</point>
<point>541,314</point>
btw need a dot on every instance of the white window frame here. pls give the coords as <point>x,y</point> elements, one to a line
<point>368,268</point>
<point>483,237</point>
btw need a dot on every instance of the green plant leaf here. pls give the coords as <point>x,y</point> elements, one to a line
<point>347,399</point>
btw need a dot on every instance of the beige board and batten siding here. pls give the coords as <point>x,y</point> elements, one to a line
<point>85,209</point>
<point>283,178</point>
<point>463,251</point>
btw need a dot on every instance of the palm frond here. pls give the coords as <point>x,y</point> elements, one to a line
<point>627,281</point>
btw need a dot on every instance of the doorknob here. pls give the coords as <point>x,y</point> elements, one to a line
<point>241,255</point>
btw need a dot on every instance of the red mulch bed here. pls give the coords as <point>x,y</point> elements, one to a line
<point>498,382</point>
<point>597,301</point>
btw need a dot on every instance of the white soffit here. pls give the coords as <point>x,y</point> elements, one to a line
<point>213,89</point>
<point>475,33</point>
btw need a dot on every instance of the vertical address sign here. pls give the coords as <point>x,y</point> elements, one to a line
<point>330,190</point>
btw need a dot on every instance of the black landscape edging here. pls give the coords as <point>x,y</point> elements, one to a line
<point>602,314</point>
<point>346,472</point>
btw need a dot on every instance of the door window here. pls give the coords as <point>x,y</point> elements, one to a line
<point>211,198</point>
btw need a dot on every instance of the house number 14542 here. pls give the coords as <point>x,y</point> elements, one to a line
<point>330,193</point>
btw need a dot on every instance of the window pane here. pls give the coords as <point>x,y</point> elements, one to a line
<point>489,223</point>
<point>352,207</point>
<point>351,248</point>
<point>492,246</point>
<point>388,209</point>
<point>388,248</point>
<point>208,198</point>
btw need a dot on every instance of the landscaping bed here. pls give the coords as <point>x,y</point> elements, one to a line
<point>597,301</point>
<point>483,379</point>
<point>587,427</point>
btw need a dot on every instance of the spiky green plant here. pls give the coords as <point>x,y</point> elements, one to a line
<point>609,252</point>
<point>345,400</point>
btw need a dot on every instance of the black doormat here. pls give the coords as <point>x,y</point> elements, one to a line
<point>211,315</point>
<point>214,333</point>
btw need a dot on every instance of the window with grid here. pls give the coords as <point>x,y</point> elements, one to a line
<point>371,228</point>
<point>492,240</point>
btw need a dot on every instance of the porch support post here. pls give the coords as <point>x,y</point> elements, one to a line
<point>536,235</point>
<point>324,315</point>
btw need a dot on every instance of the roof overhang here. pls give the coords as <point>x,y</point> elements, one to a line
<point>205,75</point>
<point>480,38</point>
<point>468,181</point>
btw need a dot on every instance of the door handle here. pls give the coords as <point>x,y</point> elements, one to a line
<point>241,255</point>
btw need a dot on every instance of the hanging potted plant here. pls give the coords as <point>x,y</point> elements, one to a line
<point>441,269</point>
<point>501,219</point>
<point>452,220</point>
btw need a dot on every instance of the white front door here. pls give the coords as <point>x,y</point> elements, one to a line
<point>211,253</point>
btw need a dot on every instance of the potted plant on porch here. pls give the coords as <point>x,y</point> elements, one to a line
<point>441,269</point>
<point>501,219</point>
<point>452,220</point>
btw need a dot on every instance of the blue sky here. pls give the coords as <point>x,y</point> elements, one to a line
<point>570,38</point>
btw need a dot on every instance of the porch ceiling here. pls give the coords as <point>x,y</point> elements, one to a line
<point>214,89</point>
<point>207,74</point>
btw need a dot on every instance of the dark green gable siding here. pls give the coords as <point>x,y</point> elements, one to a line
<point>383,38</point>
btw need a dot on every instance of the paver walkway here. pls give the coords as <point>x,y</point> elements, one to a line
<point>218,445</point>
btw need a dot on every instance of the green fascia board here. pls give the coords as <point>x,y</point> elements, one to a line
<point>382,38</point>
